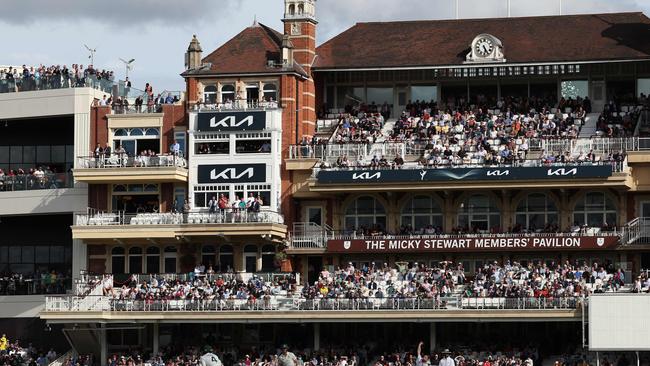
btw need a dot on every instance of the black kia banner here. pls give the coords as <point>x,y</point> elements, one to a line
<point>476,174</point>
<point>232,173</point>
<point>231,121</point>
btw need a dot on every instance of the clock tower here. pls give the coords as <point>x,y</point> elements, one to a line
<point>300,25</point>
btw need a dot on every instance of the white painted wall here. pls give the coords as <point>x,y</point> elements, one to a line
<point>273,161</point>
<point>41,103</point>
<point>43,201</point>
<point>21,306</point>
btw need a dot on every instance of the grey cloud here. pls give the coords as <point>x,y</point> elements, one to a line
<point>115,12</point>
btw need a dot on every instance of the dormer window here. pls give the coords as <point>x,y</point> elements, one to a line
<point>292,9</point>
<point>227,93</point>
<point>210,94</point>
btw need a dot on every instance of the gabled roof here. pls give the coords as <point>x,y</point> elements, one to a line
<point>570,38</point>
<point>248,53</point>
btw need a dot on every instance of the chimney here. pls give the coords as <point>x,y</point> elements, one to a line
<point>194,54</point>
<point>287,51</point>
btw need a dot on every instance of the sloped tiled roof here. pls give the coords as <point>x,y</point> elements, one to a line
<point>568,38</point>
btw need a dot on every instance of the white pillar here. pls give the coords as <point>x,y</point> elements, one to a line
<point>316,336</point>
<point>432,337</point>
<point>79,257</point>
<point>156,341</point>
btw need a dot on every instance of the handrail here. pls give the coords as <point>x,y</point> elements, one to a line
<point>224,216</point>
<point>126,161</point>
<point>236,105</point>
<point>299,304</point>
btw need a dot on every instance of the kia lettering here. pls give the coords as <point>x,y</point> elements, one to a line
<point>234,173</point>
<point>231,121</point>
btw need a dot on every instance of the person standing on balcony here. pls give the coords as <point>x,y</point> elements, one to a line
<point>212,205</point>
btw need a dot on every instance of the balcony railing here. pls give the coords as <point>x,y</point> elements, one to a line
<point>241,105</point>
<point>125,161</point>
<point>293,304</point>
<point>227,216</point>
<point>32,182</point>
<point>54,82</point>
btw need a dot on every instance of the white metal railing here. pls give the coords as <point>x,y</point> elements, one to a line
<point>226,216</point>
<point>308,235</point>
<point>125,161</point>
<point>234,105</point>
<point>636,231</point>
<point>298,304</point>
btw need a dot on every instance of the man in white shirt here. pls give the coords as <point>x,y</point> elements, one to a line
<point>446,359</point>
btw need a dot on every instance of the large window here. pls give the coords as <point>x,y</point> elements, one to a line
<point>574,89</point>
<point>270,92</point>
<point>58,158</point>
<point>118,263</point>
<point>226,259</point>
<point>478,213</point>
<point>268,258</point>
<point>379,96</point>
<point>227,93</point>
<point>171,256</point>
<point>136,198</point>
<point>137,140</point>
<point>536,212</point>
<point>421,213</point>
<point>210,94</point>
<point>153,260</point>
<point>424,93</point>
<point>365,213</point>
<point>595,209</point>
<point>212,148</point>
<point>135,260</point>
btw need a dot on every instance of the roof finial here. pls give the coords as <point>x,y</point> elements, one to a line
<point>255,23</point>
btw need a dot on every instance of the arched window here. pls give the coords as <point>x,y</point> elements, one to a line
<point>171,255</point>
<point>292,9</point>
<point>117,260</point>
<point>301,9</point>
<point>152,132</point>
<point>227,93</point>
<point>268,258</point>
<point>536,212</point>
<point>422,214</point>
<point>137,132</point>
<point>226,259</point>
<point>120,132</point>
<point>135,260</point>
<point>478,213</point>
<point>250,258</point>
<point>270,92</point>
<point>595,209</point>
<point>365,213</point>
<point>208,256</point>
<point>210,94</point>
<point>153,260</point>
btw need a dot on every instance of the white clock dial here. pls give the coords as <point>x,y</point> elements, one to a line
<point>484,47</point>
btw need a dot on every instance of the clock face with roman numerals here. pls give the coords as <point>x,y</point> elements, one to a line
<point>484,47</point>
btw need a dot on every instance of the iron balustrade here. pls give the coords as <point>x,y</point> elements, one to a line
<point>31,182</point>
<point>126,161</point>
<point>298,304</point>
<point>238,105</point>
<point>33,83</point>
<point>225,216</point>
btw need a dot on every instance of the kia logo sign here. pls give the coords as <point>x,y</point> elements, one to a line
<point>235,173</point>
<point>231,121</point>
<point>562,172</point>
<point>566,172</point>
<point>366,176</point>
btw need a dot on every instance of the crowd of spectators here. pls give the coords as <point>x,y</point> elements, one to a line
<point>41,177</point>
<point>12,353</point>
<point>42,77</point>
<point>385,282</point>
<point>45,282</point>
<point>541,280</point>
<point>350,354</point>
<point>617,120</point>
<point>206,286</point>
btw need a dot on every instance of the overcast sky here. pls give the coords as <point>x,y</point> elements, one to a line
<point>156,32</point>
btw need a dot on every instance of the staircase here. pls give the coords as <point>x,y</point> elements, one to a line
<point>308,235</point>
<point>636,231</point>
<point>590,126</point>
